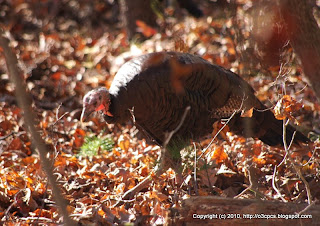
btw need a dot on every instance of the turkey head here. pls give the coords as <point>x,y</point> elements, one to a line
<point>96,100</point>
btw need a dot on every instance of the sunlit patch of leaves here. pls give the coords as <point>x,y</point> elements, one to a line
<point>93,144</point>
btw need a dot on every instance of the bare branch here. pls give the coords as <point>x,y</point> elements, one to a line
<point>195,170</point>
<point>275,186</point>
<point>25,103</point>
<point>312,156</point>
<point>170,134</point>
<point>158,170</point>
<point>308,207</point>
<point>225,124</point>
<point>295,167</point>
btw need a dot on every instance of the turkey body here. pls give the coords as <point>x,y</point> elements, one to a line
<point>155,89</point>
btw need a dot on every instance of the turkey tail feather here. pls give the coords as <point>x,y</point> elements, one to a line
<point>266,127</point>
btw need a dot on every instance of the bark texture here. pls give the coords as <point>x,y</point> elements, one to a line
<point>131,11</point>
<point>304,35</point>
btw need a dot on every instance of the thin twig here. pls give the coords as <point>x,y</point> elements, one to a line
<point>170,134</point>
<point>274,184</point>
<point>25,103</point>
<point>286,148</point>
<point>195,170</point>
<point>295,167</point>
<point>226,123</point>
<point>158,170</point>
<point>306,184</point>
<point>313,152</point>
<point>253,180</point>
<point>308,207</point>
<point>57,115</point>
<point>132,114</point>
<point>37,219</point>
<point>12,204</point>
<point>283,160</point>
<point>12,134</point>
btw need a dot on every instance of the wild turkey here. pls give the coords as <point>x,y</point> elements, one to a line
<point>154,90</point>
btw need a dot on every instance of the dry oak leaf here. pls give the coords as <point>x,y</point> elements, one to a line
<point>285,108</point>
<point>219,155</point>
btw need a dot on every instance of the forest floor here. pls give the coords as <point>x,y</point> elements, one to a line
<point>67,48</point>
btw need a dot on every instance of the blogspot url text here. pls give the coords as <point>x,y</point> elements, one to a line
<point>251,216</point>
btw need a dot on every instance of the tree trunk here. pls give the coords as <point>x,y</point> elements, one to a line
<point>304,36</point>
<point>133,10</point>
<point>269,35</point>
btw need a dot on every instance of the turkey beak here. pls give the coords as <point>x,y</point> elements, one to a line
<point>85,114</point>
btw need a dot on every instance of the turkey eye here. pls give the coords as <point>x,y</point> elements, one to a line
<point>100,97</point>
<point>94,103</point>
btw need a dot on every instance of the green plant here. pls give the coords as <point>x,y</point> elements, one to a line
<point>93,144</point>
